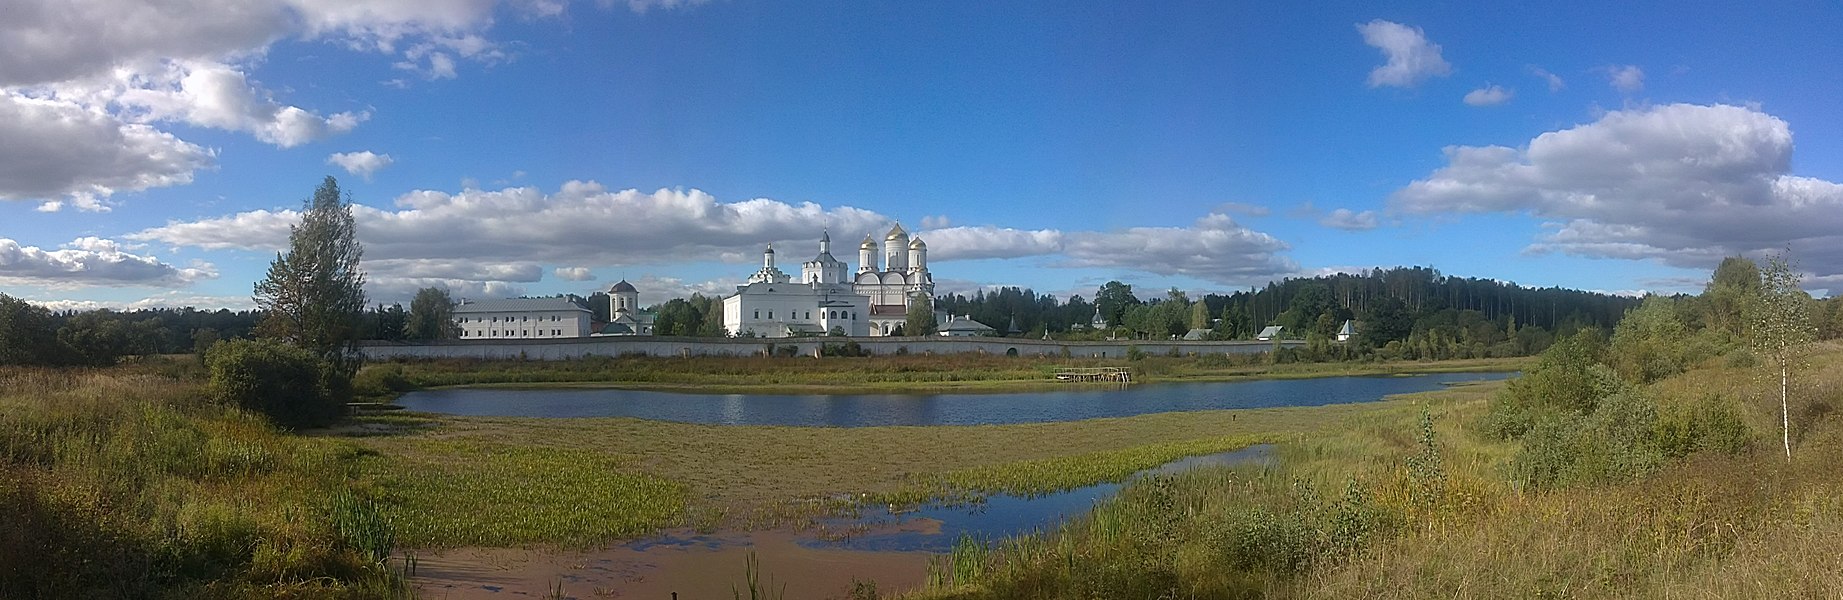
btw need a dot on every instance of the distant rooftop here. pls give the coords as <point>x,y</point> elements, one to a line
<point>519,304</point>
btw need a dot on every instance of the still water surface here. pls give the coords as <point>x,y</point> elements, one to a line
<point>1078,402</point>
<point>1003,515</point>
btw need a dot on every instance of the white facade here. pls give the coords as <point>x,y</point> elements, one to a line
<point>902,279</point>
<point>522,318</point>
<point>825,298</point>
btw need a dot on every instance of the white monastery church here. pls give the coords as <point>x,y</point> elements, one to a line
<point>873,302</point>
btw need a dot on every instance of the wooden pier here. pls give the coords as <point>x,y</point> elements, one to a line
<point>1105,374</point>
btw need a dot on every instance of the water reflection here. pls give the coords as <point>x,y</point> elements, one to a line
<point>864,410</point>
<point>1005,515</point>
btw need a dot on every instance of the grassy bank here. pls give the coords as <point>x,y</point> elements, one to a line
<point>890,374</point>
<point>1389,509</point>
<point>123,483</point>
<point>752,475</point>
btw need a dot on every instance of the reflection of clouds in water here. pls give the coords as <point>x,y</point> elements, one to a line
<point>735,408</point>
<point>1002,515</point>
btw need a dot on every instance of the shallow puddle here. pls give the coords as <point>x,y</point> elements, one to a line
<point>937,528</point>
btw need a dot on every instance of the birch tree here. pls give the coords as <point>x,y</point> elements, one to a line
<point>1781,325</point>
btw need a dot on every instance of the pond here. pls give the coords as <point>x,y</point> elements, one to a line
<point>1077,402</point>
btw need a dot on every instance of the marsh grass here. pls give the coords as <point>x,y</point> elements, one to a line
<point>1713,523</point>
<point>122,483</point>
<point>454,493</point>
<point>504,480</point>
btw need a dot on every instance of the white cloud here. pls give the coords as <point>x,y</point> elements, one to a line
<point>477,235</point>
<point>1349,220</point>
<point>1627,79</point>
<point>91,261</point>
<point>171,299</point>
<point>936,222</point>
<point>574,273</point>
<point>1411,58</point>
<point>399,290</point>
<point>641,6</point>
<point>1242,208</point>
<point>655,289</point>
<point>1554,81</point>
<point>362,164</point>
<point>207,94</point>
<point>986,241</point>
<point>1682,184</point>
<point>1215,248</point>
<point>86,70</point>
<point>52,149</point>
<point>1490,95</point>
<point>49,41</point>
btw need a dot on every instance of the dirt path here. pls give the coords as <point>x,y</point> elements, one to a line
<point>696,567</point>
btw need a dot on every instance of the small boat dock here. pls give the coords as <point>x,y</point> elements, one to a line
<point>1106,374</point>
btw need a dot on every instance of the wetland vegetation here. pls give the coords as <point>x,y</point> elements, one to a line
<point>1645,462</point>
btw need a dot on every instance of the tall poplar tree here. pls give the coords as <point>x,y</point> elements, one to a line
<point>1781,326</point>
<point>314,294</point>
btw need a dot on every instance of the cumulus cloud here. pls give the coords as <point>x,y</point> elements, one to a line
<point>205,94</point>
<point>1214,248</point>
<point>574,273</point>
<point>399,290</point>
<point>986,241</point>
<point>1627,79</point>
<point>88,87</point>
<point>1349,220</point>
<point>91,261</point>
<point>362,164</point>
<point>1410,57</point>
<point>1490,95</point>
<point>479,235</point>
<point>55,149</point>
<point>171,299</point>
<point>1682,184</point>
<point>1554,81</point>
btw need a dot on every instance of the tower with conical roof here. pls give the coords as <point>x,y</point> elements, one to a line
<point>623,297</point>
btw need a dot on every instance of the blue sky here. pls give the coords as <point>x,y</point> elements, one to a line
<point>149,155</point>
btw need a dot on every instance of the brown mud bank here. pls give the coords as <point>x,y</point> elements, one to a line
<point>696,567</point>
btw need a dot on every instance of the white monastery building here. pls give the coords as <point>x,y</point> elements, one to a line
<point>826,300</point>
<point>522,318</point>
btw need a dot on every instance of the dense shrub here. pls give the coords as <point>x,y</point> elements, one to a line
<point>285,383</point>
<point>383,380</point>
<point>1561,381</point>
